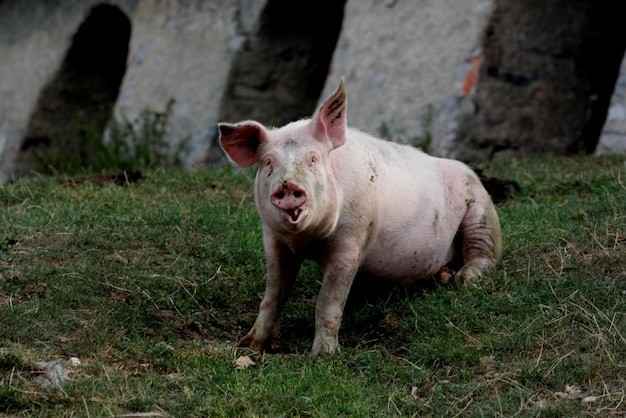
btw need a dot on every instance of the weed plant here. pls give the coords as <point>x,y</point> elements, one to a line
<point>141,143</point>
<point>149,285</point>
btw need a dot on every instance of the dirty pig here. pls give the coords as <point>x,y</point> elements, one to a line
<point>356,204</point>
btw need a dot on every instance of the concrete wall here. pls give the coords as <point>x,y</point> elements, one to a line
<point>401,58</point>
<point>409,68</point>
<point>179,50</point>
<point>405,64</point>
<point>613,138</point>
<point>183,50</point>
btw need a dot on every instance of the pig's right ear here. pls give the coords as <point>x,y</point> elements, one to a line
<point>241,141</point>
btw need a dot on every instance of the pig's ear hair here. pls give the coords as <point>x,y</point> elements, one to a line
<point>241,141</point>
<point>330,119</point>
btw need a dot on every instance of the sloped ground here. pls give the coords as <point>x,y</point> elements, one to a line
<point>149,285</point>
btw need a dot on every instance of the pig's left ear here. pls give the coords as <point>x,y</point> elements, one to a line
<point>330,119</point>
<point>241,141</point>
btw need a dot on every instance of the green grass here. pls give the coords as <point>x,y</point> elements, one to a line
<point>150,284</point>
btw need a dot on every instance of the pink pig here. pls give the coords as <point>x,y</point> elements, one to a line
<point>356,204</point>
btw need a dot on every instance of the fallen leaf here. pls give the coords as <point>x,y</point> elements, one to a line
<point>49,373</point>
<point>590,399</point>
<point>543,403</point>
<point>491,375</point>
<point>487,361</point>
<point>573,391</point>
<point>244,362</point>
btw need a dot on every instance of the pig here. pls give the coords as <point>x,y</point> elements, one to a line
<point>356,204</point>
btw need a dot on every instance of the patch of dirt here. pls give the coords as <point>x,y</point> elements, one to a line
<point>499,189</point>
<point>121,178</point>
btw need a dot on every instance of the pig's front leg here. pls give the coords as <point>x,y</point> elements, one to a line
<point>282,269</point>
<point>339,273</point>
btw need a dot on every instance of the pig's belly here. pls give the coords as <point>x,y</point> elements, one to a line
<point>405,261</point>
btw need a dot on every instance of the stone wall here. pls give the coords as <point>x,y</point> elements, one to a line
<point>278,73</point>
<point>412,67</point>
<point>548,73</point>
<point>402,59</point>
<point>178,50</point>
<point>435,74</point>
<point>613,138</point>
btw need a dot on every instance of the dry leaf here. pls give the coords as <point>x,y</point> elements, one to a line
<point>571,391</point>
<point>543,403</point>
<point>491,375</point>
<point>487,361</point>
<point>590,399</point>
<point>244,362</point>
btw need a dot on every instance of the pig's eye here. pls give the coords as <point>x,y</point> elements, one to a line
<point>268,164</point>
<point>313,159</point>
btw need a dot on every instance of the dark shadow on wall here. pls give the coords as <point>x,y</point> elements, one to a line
<point>279,73</point>
<point>602,54</point>
<point>66,127</point>
<point>548,74</point>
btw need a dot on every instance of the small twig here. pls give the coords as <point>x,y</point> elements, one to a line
<point>86,407</point>
<point>409,362</point>
<point>558,362</point>
<point>619,179</point>
<point>478,343</point>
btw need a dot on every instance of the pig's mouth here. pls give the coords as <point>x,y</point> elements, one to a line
<point>294,216</point>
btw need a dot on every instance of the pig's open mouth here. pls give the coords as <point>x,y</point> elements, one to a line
<point>294,216</point>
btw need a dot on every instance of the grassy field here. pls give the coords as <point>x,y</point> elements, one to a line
<point>138,293</point>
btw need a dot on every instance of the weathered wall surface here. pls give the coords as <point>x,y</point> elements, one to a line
<point>183,50</point>
<point>278,73</point>
<point>409,69</point>
<point>613,138</point>
<point>400,58</point>
<point>548,74</point>
<point>179,50</point>
<point>33,40</point>
<point>407,64</point>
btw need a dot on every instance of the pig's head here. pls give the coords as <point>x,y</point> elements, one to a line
<point>295,187</point>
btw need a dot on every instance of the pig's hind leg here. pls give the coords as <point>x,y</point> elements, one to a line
<point>480,239</point>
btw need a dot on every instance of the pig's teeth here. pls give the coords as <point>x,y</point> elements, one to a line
<point>293,214</point>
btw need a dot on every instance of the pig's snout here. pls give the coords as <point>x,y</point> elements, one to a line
<point>289,197</point>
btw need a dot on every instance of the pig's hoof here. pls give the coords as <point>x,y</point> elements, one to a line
<point>445,274</point>
<point>324,347</point>
<point>250,342</point>
<point>323,353</point>
<point>468,274</point>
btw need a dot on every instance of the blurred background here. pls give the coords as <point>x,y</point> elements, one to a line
<point>127,84</point>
